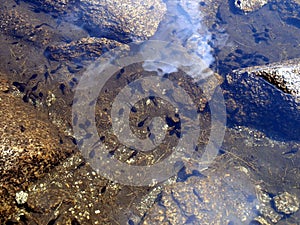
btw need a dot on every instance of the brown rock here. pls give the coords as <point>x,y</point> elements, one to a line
<point>118,19</point>
<point>215,199</point>
<point>85,48</point>
<point>29,147</point>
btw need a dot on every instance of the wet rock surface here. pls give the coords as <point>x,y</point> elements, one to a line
<point>18,25</point>
<point>52,27</point>
<point>286,203</point>
<point>85,48</point>
<point>250,5</point>
<point>252,91</point>
<point>235,189</point>
<point>30,147</point>
<point>133,18</point>
<point>212,199</point>
<point>235,56</point>
<point>72,193</point>
<point>284,75</point>
<point>252,45</point>
<point>123,20</point>
<point>67,194</point>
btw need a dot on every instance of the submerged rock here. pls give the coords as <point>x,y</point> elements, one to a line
<point>132,18</point>
<point>218,198</point>
<point>122,20</point>
<point>253,101</point>
<point>236,189</point>
<point>286,203</point>
<point>266,97</point>
<point>21,26</point>
<point>249,5</point>
<point>85,48</point>
<point>71,193</point>
<point>29,147</point>
<point>284,75</point>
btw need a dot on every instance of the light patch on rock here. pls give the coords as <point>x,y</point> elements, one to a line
<point>250,5</point>
<point>284,75</point>
<point>286,203</point>
<point>21,197</point>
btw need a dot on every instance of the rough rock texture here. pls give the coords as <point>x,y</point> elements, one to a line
<point>122,20</point>
<point>29,147</point>
<point>284,75</point>
<point>24,23</point>
<point>130,17</point>
<point>274,89</point>
<point>219,198</point>
<point>250,5</point>
<point>286,203</point>
<point>236,188</point>
<point>54,6</point>
<point>85,48</point>
<point>74,194</point>
<point>71,193</point>
<point>19,25</point>
<point>250,101</point>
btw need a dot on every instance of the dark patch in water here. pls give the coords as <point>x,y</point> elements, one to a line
<point>293,21</point>
<point>21,86</point>
<point>234,9</point>
<point>182,176</point>
<point>191,219</point>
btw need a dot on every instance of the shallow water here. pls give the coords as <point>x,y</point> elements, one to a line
<point>261,134</point>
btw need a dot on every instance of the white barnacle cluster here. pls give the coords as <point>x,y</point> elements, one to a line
<point>21,197</point>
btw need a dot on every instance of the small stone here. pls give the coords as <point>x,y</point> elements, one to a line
<point>250,5</point>
<point>4,86</point>
<point>286,203</point>
<point>21,197</point>
<point>50,99</point>
<point>262,220</point>
<point>148,102</point>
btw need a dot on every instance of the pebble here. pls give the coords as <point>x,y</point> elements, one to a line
<point>250,5</point>
<point>286,203</point>
<point>21,197</point>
